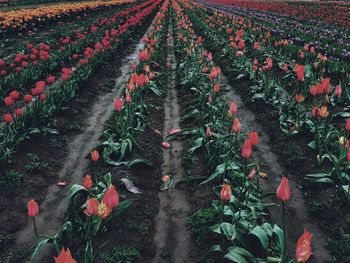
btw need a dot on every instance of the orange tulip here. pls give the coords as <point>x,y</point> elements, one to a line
<point>303,250</point>
<point>91,207</point>
<point>283,191</point>
<point>64,257</point>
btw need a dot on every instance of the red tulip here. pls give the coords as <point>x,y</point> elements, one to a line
<point>9,101</point>
<point>254,138</point>
<point>118,104</point>
<point>111,197</point>
<point>64,257</point>
<point>347,124</point>
<point>14,94</point>
<point>233,107</point>
<point>225,194</point>
<point>216,87</point>
<point>303,249</point>
<point>128,98</point>
<point>283,191</point>
<point>133,66</point>
<point>28,98</point>
<point>236,126</point>
<point>92,205</point>
<point>246,149</point>
<point>50,79</point>
<point>95,155</point>
<point>87,182</point>
<point>7,117</point>
<point>33,208</point>
<point>42,97</point>
<point>337,91</point>
<point>19,112</point>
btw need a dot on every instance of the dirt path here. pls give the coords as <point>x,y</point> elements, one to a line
<point>296,212</point>
<point>172,239</point>
<point>53,209</point>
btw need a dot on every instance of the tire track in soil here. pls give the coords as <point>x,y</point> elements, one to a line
<point>296,218</point>
<point>53,209</point>
<point>172,239</point>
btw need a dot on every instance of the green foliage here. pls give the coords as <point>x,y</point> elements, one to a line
<point>340,247</point>
<point>11,179</point>
<point>200,222</point>
<point>35,163</point>
<point>121,254</point>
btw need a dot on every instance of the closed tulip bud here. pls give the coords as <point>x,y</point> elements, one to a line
<point>246,151</point>
<point>233,107</point>
<point>95,155</point>
<point>254,138</point>
<point>341,141</point>
<point>92,205</point>
<point>118,104</point>
<point>42,97</point>
<point>87,182</point>
<point>283,191</point>
<point>128,98</point>
<point>225,194</point>
<point>210,99</point>
<point>299,98</point>
<point>208,132</point>
<point>337,91</point>
<point>111,197</point>
<point>236,126</point>
<point>347,124</point>
<point>303,249</point>
<point>133,66</point>
<point>33,208</point>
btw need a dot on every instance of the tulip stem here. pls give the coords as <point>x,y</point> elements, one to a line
<point>283,226</point>
<point>35,228</point>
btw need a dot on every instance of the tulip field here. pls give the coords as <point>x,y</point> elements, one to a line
<point>174,131</point>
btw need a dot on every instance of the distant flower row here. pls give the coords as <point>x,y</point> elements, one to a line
<point>19,19</point>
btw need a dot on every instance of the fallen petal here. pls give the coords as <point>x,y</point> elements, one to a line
<point>166,145</point>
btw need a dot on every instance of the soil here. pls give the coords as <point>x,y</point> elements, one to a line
<point>172,239</point>
<point>79,124</point>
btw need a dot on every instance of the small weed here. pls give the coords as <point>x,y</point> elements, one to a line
<point>316,208</point>
<point>35,163</point>
<point>121,254</point>
<point>143,228</point>
<point>11,179</point>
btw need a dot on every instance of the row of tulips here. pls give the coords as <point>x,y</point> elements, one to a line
<point>13,20</point>
<point>41,105</point>
<point>45,61</point>
<point>336,12</point>
<point>303,95</point>
<point>230,156</point>
<point>100,202</point>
